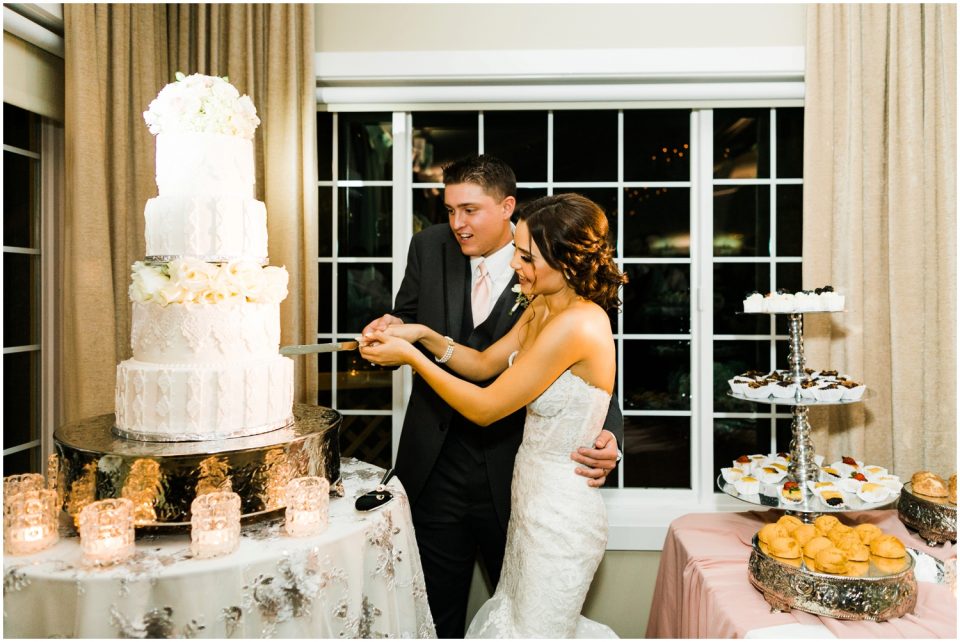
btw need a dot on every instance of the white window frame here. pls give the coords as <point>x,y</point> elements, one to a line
<point>701,78</point>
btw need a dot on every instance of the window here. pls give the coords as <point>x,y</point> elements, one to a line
<point>704,206</point>
<point>21,291</point>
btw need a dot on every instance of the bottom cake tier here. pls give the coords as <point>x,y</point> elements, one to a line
<point>166,402</point>
<point>162,479</point>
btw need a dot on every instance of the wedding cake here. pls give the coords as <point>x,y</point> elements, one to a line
<point>206,308</point>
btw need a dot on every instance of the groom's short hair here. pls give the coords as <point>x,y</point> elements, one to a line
<point>489,172</point>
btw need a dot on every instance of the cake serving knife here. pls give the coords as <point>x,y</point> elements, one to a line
<point>319,347</point>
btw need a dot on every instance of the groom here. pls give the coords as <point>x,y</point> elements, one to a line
<point>457,475</point>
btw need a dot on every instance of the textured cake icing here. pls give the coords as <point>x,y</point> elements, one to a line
<point>206,314</point>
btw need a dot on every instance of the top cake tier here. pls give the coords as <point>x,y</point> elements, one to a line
<point>205,174</point>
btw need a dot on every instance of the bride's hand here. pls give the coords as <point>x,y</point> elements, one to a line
<point>385,350</point>
<point>409,332</point>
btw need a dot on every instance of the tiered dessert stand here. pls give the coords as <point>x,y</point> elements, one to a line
<point>802,467</point>
<point>876,596</point>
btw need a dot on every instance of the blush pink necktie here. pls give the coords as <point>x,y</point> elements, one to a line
<point>480,299</point>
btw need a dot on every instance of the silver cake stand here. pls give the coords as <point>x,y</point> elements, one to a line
<point>163,478</point>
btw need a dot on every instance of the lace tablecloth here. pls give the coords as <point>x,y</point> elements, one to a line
<point>361,578</point>
<point>702,588</point>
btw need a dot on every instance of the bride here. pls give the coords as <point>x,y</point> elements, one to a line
<point>559,361</point>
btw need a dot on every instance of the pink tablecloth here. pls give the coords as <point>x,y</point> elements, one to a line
<point>703,592</point>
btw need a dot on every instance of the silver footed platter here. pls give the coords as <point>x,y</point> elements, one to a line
<point>811,505</point>
<point>935,519</point>
<point>799,401</point>
<point>877,594</point>
<point>163,478</point>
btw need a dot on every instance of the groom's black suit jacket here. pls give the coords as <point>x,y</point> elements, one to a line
<point>435,292</point>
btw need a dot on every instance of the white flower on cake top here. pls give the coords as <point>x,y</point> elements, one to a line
<point>819,300</point>
<point>202,104</point>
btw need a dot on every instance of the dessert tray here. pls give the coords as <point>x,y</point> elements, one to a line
<point>935,519</point>
<point>812,503</point>
<point>879,594</point>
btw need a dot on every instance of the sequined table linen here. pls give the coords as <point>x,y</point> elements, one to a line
<point>360,578</point>
<point>703,590</point>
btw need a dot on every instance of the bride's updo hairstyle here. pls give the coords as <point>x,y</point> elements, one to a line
<point>572,233</point>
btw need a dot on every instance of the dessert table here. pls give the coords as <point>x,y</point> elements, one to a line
<point>702,589</point>
<point>360,578</point>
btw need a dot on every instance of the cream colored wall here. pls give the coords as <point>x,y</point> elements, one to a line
<point>620,596</point>
<point>32,78</point>
<point>446,27</point>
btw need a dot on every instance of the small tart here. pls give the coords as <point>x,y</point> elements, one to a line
<point>952,489</point>
<point>804,533</point>
<point>831,560</point>
<point>790,523</point>
<point>786,547</point>
<point>867,532</point>
<point>888,546</point>
<point>791,492</point>
<point>816,545</point>
<point>770,532</point>
<point>832,498</point>
<point>825,522</point>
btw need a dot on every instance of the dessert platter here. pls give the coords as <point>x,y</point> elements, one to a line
<point>830,569</point>
<point>844,485</point>
<point>206,401</point>
<point>928,505</point>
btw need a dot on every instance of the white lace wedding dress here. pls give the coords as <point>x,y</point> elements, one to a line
<point>558,525</point>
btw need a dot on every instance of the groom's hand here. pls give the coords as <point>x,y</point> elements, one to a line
<point>600,461</point>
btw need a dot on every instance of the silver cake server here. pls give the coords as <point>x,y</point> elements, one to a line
<point>319,347</point>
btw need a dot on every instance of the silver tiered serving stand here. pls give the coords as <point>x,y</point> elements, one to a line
<point>802,467</point>
<point>875,593</point>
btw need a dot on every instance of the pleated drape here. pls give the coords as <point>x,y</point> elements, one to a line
<point>118,58</point>
<point>880,225</point>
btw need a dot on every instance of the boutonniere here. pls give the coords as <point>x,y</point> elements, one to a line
<point>521,301</point>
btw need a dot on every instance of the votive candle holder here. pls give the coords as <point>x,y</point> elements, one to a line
<point>107,533</point>
<point>308,506</point>
<point>215,524</point>
<point>14,484</point>
<point>29,521</point>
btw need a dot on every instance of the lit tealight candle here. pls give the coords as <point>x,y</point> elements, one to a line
<point>13,484</point>
<point>215,524</point>
<point>308,505</point>
<point>29,521</point>
<point>107,532</point>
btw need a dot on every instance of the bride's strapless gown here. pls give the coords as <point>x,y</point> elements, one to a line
<point>558,525</point>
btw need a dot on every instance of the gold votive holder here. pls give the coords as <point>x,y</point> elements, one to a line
<point>29,521</point>
<point>14,484</point>
<point>308,506</point>
<point>107,532</point>
<point>214,524</point>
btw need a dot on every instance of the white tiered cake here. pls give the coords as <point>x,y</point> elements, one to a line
<point>206,312</point>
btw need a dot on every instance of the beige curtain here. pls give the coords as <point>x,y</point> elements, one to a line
<point>118,57</point>
<point>879,206</point>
